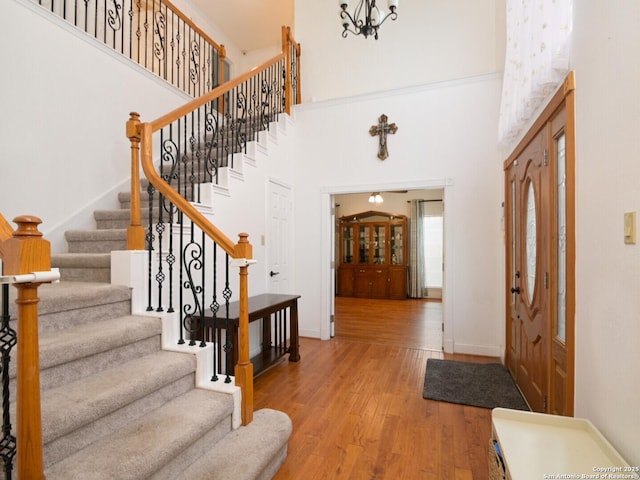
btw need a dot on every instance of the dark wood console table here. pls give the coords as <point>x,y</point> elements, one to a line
<point>264,307</point>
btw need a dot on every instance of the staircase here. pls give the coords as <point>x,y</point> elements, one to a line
<point>115,405</point>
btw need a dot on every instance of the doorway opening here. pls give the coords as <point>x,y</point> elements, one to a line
<point>426,306</point>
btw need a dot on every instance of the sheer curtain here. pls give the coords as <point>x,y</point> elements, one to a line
<point>416,252</point>
<point>536,59</point>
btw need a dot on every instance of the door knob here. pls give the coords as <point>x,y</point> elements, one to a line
<point>515,289</point>
<point>273,274</point>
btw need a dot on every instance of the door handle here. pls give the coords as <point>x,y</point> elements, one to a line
<point>273,274</point>
<point>515,290</point>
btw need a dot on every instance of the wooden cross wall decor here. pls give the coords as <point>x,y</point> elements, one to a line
<point>383,129</point>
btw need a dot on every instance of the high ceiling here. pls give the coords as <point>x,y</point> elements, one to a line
<point>249,24</point>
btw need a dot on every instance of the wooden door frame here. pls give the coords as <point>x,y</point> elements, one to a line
<point>563,98</point>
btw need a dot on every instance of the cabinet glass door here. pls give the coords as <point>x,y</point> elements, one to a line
<point>379,244</point>
<point>396,245</point>
<point>347,244</point>
<point>364,252</point>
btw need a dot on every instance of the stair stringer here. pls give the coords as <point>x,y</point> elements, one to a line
<point>127,268</point>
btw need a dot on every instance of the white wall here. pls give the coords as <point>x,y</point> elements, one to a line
<point>446,138</point>
<point>444,40</point>
<point>606,59</point>
<point>65,103</point>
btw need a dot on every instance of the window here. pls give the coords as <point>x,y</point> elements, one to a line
<point>433,250</point>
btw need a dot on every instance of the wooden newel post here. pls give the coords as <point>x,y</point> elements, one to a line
<point>221,73</point>
<point>27,252</point>
<point>244,368</point>
<point>135,231</point>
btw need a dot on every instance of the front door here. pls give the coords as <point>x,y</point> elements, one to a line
<point>540,260</point>
<point>529,223</point>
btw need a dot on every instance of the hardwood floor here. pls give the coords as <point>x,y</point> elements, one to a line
<point>356,402</point>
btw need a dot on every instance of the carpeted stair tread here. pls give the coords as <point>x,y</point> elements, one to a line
<point>96,241</point>
<point>81,260</point>
<point>96,235</point>
<point>146,445</point>
<point>66,296</point>
<point>76,404</point>
<point>68,345</point>
<point>265,439</point>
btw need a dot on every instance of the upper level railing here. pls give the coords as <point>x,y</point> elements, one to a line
<point>181,153</point>
<point>152,33</point>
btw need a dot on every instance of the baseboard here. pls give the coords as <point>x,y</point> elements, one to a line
<point>309,333</point>
<point>483,350</point>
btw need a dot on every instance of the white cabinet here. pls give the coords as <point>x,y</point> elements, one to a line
<point>538,446</point>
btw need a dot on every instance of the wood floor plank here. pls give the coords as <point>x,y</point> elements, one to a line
<point>356,401</point>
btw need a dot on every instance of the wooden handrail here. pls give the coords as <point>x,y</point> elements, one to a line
<point>187,20</point>
<point>5,230</point>
<point>145,132</point>
<point>180,112</point>
<point>27,252</point>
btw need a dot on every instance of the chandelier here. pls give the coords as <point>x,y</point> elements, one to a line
<point>366,18</point>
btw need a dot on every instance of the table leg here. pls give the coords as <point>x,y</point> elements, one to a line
<point>294,353</point>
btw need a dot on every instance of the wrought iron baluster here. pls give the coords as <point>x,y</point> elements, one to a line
<point>138,31</point>
<point>198,148</point>
<point>192,313</point>
<point>228,346</point>
<point>241,108</point>
<point>192,161</point>
<point>171,259</point>
<point>211,141</point>
<point>172,44</point>
<point>194,56</point>
<point>146,34</point>
<point>95,19</point>
<point>86,16</point>
<point>150,238</point>
<point>159,44</point>
<point>181,340</point>
<point>214,307</point>
<point>203,272</point>
<point>8,340</point>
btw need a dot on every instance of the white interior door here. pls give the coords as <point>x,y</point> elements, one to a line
<point>279,239</point>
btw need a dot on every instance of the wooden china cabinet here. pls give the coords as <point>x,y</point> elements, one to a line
<point>373,256</point>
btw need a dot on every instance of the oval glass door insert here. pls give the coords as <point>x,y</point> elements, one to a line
<point>531,241</point>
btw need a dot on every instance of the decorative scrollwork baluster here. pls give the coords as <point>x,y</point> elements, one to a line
<point>195,63</point>
<point>211,128</point>
<point>192,261</point>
